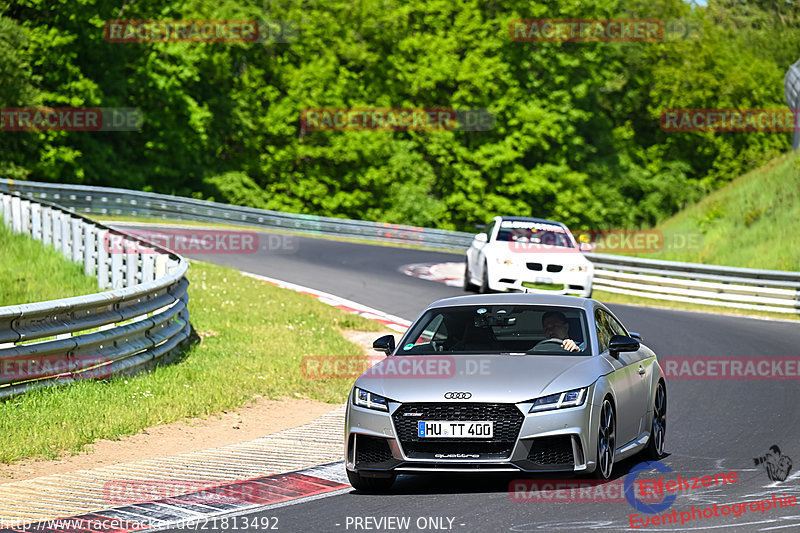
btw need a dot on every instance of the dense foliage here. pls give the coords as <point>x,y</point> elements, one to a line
<point>577,134</point>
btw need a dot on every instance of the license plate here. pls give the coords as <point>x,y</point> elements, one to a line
<point>482,429</point>
<point>544,280</point>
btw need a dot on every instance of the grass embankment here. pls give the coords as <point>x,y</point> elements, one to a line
<point>30,272</point>
<point>750,223</point>
<point>254,338</point>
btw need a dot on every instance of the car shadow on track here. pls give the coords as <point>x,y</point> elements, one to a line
<point>481,482</point>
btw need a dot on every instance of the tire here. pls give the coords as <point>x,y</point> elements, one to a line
<point>468,285</point>
<point>606,441</point>
<point>370,484</point>
<point>484,288</point>
<point>658,430</point>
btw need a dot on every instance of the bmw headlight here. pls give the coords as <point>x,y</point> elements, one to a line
<point>572,398</point>
<point>370,400</point>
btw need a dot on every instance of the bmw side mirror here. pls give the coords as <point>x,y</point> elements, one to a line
<point>586,247</point>
<point>637,336</point>
<point>384,344</point>
<point>621,343</point>
<point>482,237</point>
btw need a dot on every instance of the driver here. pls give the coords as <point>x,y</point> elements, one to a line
<point>555,326</point>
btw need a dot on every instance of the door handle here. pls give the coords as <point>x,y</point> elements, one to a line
<point>641,370</point>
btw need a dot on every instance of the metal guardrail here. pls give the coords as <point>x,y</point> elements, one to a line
<point>122,202</point>
<point>742,288</point>
<point>142,319</point>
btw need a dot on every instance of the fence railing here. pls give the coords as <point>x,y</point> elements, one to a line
<point>722,286</point>
<point>142,319</point>
<point>743,288</point>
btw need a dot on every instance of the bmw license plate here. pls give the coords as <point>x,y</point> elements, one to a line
<point>483,429</point>
<point>544,280</point>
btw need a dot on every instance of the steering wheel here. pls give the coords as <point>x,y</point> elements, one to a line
<point>547,345</point>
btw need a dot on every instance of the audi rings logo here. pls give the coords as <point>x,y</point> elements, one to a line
<point>457,395</point>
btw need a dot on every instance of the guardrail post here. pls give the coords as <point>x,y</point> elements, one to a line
<point>77,240</point>
<point>148,267</point>
<point>89,250</point>
<point>36,221</point>
<point>131,263</point>
<point>102,246</point>
<point>6,207</point>
<point>47,226</point>
<point>117,279</point>
<point>25,214</point>
<point>66,239</point>
<point>161,265</point>
<point>16,218</point>
<point>56,219</point>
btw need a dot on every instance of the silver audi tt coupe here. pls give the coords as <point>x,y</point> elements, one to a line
<point>506,382</point>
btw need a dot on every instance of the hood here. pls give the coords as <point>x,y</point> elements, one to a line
<point>489,378</point>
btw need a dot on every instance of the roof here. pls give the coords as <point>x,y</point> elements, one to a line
<point>532,219</point>
<point>518,298</point>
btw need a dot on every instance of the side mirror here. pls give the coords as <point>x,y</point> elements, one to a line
<point>586,247</point>
<point>482,237</point>
<point>636,336</point>
<point>621,343</point>
<point>384,344</point>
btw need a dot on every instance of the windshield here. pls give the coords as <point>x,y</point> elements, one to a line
<point>534,233</point>
<point>499,329</point>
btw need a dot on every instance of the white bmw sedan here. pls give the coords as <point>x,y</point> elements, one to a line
<point>528,255</point>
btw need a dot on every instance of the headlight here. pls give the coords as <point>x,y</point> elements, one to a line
<point>370,400</point>
<point>572,398</point>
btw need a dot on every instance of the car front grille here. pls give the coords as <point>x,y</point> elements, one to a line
<point>507,420</point>
<point>555,268</point>
<point>552,451</point>
<point>534,266</point>
<point>372,450</point>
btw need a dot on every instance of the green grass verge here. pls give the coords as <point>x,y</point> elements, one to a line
<point>254,338</point>
<point>751,222</point>
<point>30,272</point>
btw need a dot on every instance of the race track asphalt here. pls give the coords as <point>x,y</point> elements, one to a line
<point>713,426</point>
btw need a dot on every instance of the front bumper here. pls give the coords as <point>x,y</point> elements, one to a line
<point>549,441</point>
<point>511,278</point>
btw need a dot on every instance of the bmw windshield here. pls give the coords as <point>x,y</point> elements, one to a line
<point>499,329</point>
<point>534,233</point>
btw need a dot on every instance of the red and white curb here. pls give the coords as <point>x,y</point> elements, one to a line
<point>451,274</point>
<point>271,471</point>
<point>390,321</point>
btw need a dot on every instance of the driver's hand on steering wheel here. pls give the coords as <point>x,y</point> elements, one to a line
<point>570,345</point>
